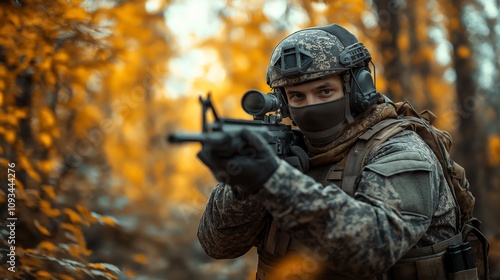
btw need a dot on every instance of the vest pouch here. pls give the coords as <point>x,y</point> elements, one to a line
<point>459,262</point>
<point>479,246</point>
<point>419,268</point>
<point>469,274</point>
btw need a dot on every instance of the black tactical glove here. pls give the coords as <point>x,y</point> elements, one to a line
<point>247,163</point>
<point>298,159</point>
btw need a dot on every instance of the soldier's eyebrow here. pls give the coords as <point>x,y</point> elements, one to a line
<point>324,85</point>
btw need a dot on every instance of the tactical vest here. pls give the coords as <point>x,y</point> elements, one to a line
<point>419,263</point>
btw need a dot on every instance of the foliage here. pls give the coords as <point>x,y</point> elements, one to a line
<point>84,114</point>
<point>64,92</point>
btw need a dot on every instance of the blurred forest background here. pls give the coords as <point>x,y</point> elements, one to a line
<point>90,89</point>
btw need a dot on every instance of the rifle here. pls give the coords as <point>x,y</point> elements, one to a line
<point>266,111</point>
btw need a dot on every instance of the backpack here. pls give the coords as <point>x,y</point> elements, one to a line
<point>440,143</point>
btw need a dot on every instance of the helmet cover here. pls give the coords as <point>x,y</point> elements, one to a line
<point>304,56</point>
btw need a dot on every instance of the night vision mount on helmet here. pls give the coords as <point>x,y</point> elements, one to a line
<point>318,52</point>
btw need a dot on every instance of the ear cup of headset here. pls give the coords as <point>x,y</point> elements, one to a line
<point>363,92</point>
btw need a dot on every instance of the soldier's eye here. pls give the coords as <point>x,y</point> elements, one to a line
<point>296,96</point>
<point>327,91</point>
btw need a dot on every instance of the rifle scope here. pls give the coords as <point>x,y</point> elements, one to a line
<point>257,103</point>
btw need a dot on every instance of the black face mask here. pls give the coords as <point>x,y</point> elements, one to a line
<point>320,123</point>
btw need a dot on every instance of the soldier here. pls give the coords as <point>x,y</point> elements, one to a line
<point>342,226</point>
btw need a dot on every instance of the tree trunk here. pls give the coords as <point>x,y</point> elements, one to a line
<point>469,146</point>
<point>389,26</point>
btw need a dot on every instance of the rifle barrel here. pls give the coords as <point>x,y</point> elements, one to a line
<point>212,138</point>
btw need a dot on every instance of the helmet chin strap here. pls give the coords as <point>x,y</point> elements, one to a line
<point>347,91</point>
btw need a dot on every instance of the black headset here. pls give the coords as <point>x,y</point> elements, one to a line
<point>358,81</point>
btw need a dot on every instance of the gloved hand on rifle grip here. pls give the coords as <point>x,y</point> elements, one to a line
<point>248,166</point>
<point>298,159</point>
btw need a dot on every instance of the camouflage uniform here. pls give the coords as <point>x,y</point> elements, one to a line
<point>402,201</point>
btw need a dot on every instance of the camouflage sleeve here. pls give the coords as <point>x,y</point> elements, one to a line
<point>364,235</point>
<point>230,224</point>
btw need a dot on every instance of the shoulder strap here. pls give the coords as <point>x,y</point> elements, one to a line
<point>471,233</point>
<point>277,240</point>
<point>366,142</point>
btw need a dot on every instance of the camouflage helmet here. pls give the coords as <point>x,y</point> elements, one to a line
<point>313,53</point>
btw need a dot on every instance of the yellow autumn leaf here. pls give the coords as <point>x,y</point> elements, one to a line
<point>71,228</point>
<point>46,208</point>
<point>454,23</point>
<point>41,228</point>
<point>45,64</point>
<point>55,132</point>
<point>74,250</point>
<point>45,166</point>
<point>140,258</point>
<point>21,113</point>
<point>44,274</point>
<point>494,150</point>
<point>46,245</point>
<point>9,135</point>
<point>46,118</point>
<point>464,52</point>
<point>78,237</point>
<point>45,139</point>
<point>73,216</point>
<point>75,14</point>
<point>26,164</point>
<point>97,266</point>
<point>134,172</point>
<point>49,190</point>
<point>87,116</point>
<point>129,273</point>
<point>61,57</point>
<point>14,18</point>
<point>3,72</point>
<point>110,221</point>
<point>81,74</point>
<point>50,78</point>
<point>86,214</point>
<point>110,275</point>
